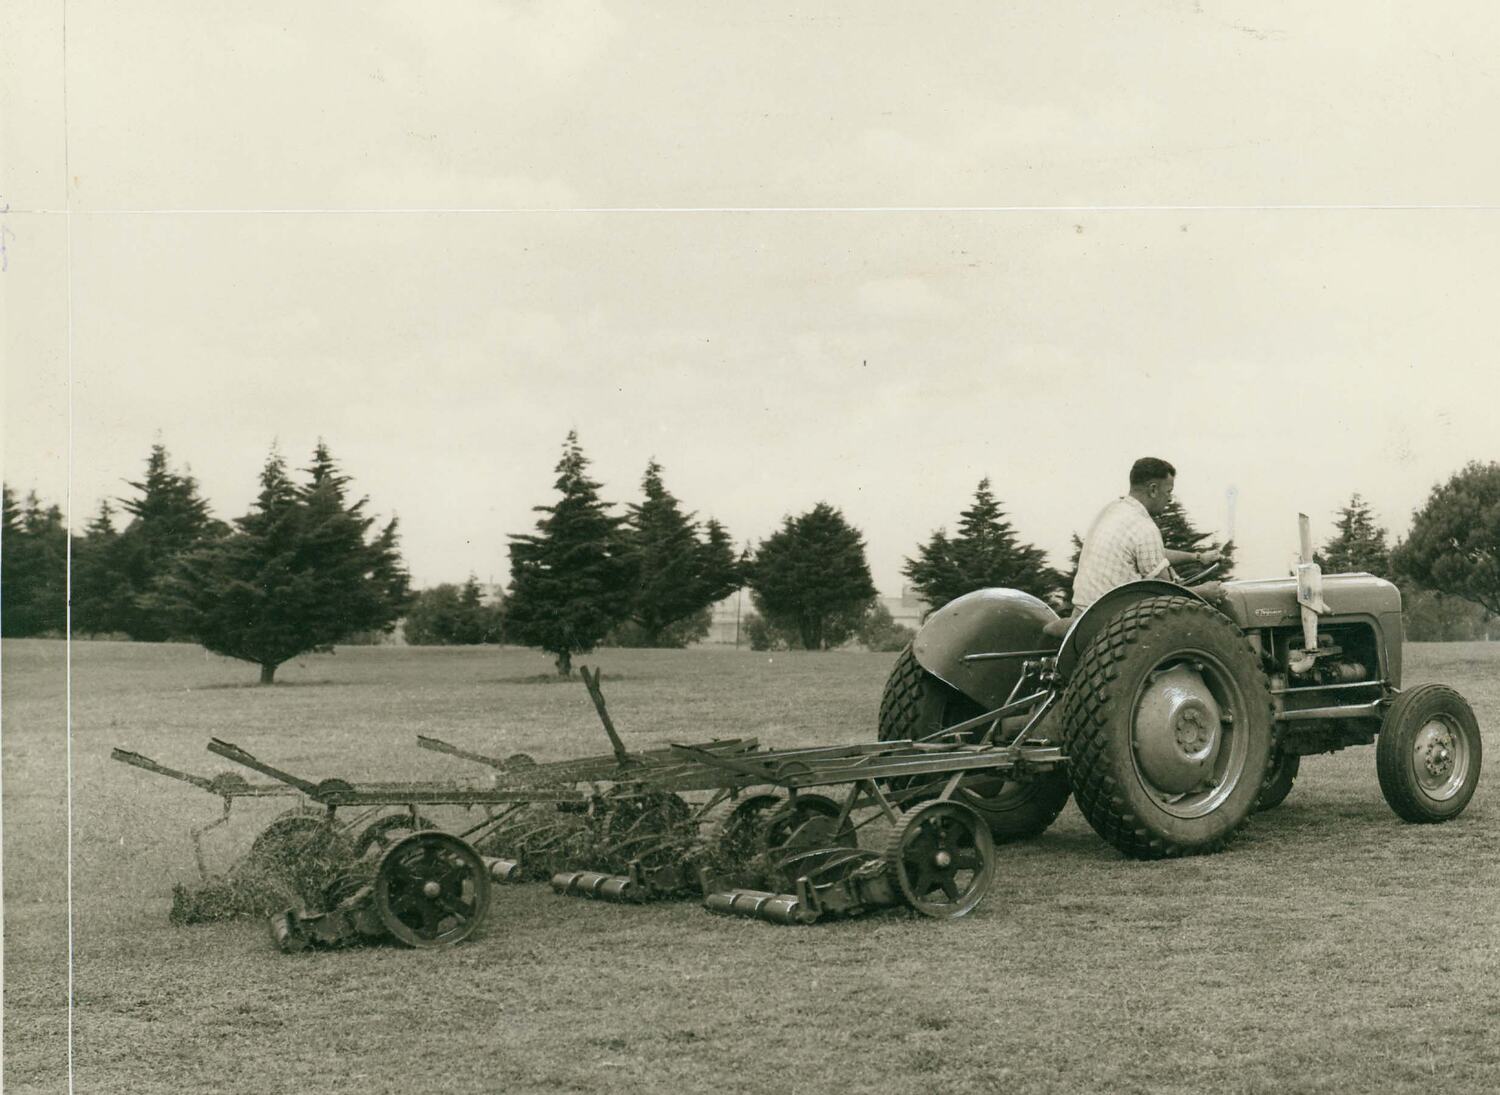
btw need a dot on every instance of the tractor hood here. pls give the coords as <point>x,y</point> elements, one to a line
<point>1272,602</point>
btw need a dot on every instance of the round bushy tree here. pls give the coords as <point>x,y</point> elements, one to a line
<point>1454,543</point>
<point>811,577</point>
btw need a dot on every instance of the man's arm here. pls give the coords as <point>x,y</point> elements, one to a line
<point>1202,558</point>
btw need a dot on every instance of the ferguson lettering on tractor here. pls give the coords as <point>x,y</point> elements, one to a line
<point>1179,719</point>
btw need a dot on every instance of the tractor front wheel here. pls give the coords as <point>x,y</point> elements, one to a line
<point>1428,754</point>
<point>1167,723</point>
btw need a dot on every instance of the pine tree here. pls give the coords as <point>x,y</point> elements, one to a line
<point>451,615</point>
<point>811,577</point>
<point>1357,545</point>
<point>476,621</point>
<point>984,554</point>
<point>300,572</point>
<point>33,568</point>
<point>1180,534</point>
<point>431,619</point>
<point>676,572</point>
<point>570,581</point>
<point>103,599</point>
<point>169,519</point>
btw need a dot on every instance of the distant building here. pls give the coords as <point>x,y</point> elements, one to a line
<point>729,614</point>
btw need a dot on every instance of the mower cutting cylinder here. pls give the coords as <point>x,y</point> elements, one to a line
<point>779,908</point>
<point>606,887</point>
<point>502,870</point>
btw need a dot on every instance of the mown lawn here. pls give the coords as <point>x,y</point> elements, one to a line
<point>1332,948</point>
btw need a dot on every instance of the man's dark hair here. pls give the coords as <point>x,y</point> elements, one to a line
<point>1148,469</point>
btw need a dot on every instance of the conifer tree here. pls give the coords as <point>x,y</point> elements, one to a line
<point>103,599</point>
<point>810,577</point>
<point>33,568</point>
<point>570,580</point>
<point>1180,534</point>
<point>169,518</point>
<point>1357,545</point>
<point>300,571</point>
<point>985,553</point>
<point>676,571</point>
<point>451,615</point>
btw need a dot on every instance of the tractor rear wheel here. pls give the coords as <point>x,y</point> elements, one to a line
<point>916,704</point>
<point>1167,721</point>
<point>1428,754</point>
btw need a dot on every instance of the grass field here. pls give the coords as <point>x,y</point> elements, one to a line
<point>1331,948</point>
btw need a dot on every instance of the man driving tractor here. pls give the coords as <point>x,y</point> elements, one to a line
<point>1124,543</point>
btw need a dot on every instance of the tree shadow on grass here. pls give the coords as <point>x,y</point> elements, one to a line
<point>552,678</point>
<point>253,685</point>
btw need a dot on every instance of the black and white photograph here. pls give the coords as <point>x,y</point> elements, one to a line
<point>617,546</point>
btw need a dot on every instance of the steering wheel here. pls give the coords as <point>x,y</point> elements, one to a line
<point>1200,576</point>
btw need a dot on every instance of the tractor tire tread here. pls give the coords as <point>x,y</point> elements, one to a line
<point>1086,706</point>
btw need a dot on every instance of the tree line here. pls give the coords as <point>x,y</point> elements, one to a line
<point>307,567</point>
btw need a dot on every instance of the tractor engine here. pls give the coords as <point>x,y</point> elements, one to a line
<point>1332,662</point>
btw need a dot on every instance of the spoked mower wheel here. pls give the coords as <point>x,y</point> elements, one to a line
<point>385,831</point>
<point>916,704</point>
<point>431,890</point>
<point>289,833</point>
<point>808,821</point>
<point>1167,720</point>
<point>943,858</point>
<point>1428,754</point>
<point>737,835</point>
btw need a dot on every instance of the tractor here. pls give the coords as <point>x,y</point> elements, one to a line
<point>1179,718</point>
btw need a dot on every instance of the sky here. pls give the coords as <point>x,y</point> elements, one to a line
<point>859,253</point>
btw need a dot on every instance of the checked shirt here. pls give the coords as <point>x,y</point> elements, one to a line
<point>1123,545</point>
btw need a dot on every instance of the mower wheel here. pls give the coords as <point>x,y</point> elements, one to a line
<point>1428,754</point>
<point>385,831</point>
<point>1281,773</point>
<point>296,834</point>
<point>1167,726</point>
<point>916,704</point>
<point>807,822</point>
<point>943,858</point>
<point>738,833</point>
<point>431,889</point>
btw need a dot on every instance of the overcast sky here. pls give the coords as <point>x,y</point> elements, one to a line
<point>782,251</point>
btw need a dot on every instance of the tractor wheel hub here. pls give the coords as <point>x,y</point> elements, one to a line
<point>1177,731</point>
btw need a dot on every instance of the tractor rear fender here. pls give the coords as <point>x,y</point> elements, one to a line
<point>1092,620</point>
<point>984,621</point>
